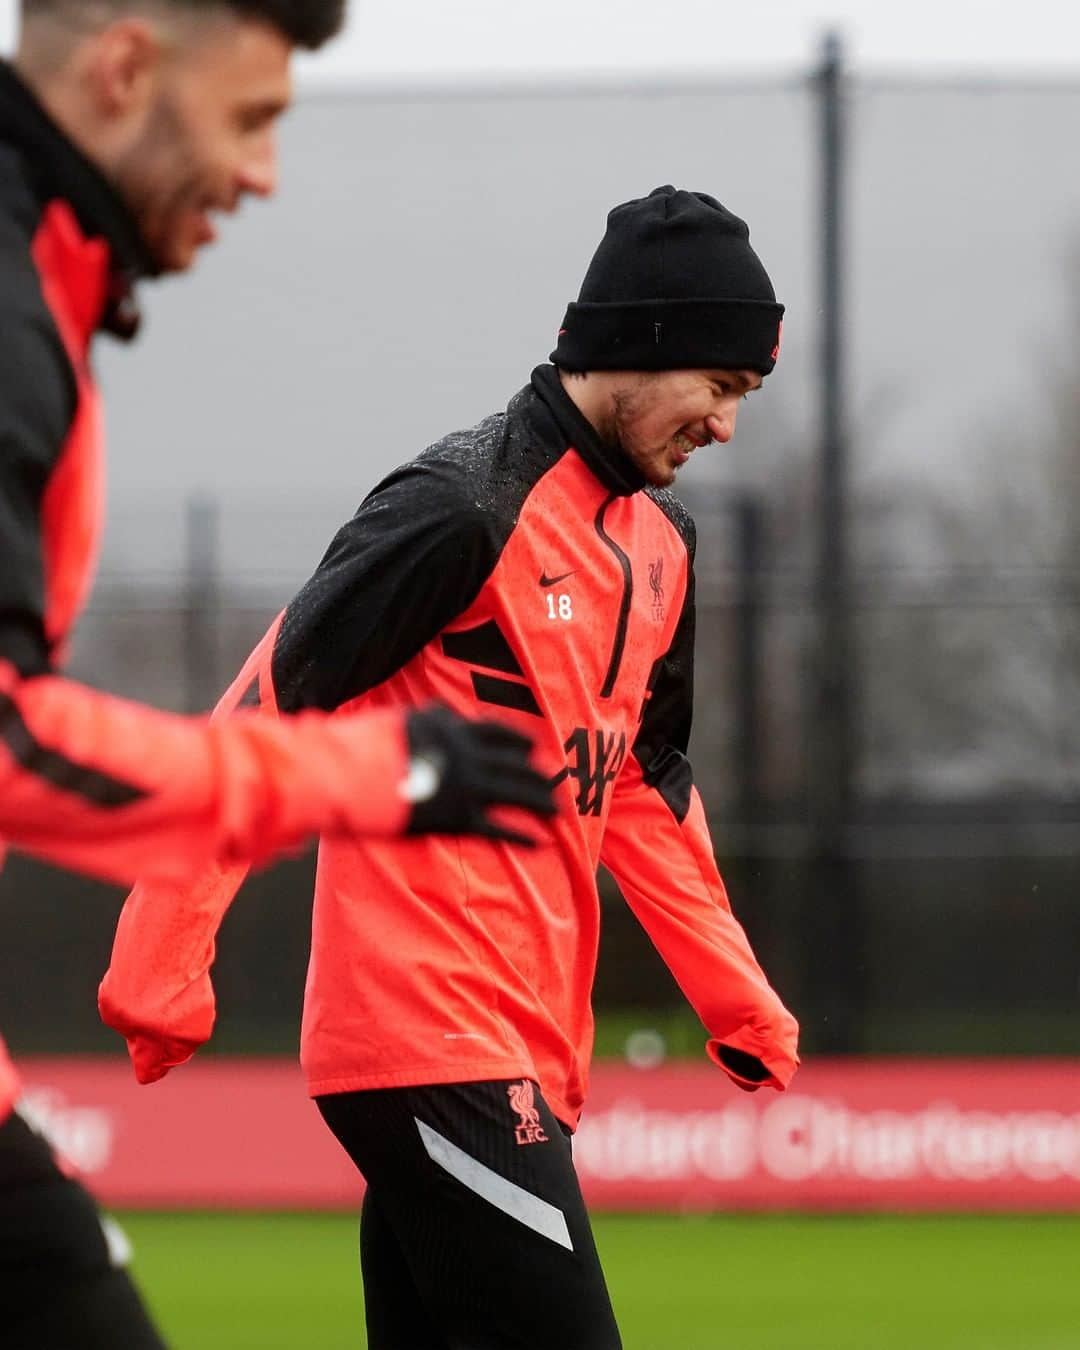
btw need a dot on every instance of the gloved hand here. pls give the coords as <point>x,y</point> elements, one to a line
<point>459,770</point>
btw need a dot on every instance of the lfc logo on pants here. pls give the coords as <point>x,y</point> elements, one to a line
<point>523,1102</point>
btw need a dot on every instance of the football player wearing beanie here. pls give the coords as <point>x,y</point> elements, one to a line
<point>535,567</point>
<point>675,323</point>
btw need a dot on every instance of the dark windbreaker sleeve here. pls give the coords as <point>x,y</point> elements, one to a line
<point>37,404</point>
<point>415,555</point>
<point>657,846</point>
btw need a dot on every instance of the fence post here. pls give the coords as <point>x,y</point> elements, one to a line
<point>748,737</point>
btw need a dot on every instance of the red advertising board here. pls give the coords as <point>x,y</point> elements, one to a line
<point>218,1133</point>
<point>851,1135</point>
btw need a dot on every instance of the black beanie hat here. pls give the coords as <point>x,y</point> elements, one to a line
<point>674,285</point>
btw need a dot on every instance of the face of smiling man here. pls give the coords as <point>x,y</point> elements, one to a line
<point>676,321</point>
<point>208,136</point>
<point>659,418</point>
<point>176,104</point>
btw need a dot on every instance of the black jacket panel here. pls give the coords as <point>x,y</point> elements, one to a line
<point>37,404</point>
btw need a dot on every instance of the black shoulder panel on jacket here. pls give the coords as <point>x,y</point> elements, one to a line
<point>679,516</point>
<point>38,398</point>
<point>414,557</point>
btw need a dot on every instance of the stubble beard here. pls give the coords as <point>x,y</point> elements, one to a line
<point>157,177</point>
<point>627,405</point>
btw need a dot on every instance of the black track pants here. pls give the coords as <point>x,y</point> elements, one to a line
<point>60,1285</point>
<point>474,1235</point>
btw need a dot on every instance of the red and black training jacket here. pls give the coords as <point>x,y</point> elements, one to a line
<point>520,569</point>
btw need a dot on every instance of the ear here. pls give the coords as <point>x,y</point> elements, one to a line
<point>123,65</point>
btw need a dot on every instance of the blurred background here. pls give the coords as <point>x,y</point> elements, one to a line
<point>887,728</point>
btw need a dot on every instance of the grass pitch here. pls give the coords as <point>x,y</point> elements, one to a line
<point>291,1282</point>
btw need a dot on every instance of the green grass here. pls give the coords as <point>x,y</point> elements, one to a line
<point>267,1282</point>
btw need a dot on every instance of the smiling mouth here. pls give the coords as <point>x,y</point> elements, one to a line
<point>211,210</point>
<point>684,446</point>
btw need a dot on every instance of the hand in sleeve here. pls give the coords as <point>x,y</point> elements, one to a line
<point>657,846</point>
<point>157,992</point>
<point>666,870</point>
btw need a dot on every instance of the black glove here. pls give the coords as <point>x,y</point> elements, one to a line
<point>459,769</point>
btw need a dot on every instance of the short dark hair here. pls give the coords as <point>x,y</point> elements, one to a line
<point>306,23</point>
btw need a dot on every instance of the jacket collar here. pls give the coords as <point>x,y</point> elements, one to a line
<point>607,462</point>
<point>58,169</point>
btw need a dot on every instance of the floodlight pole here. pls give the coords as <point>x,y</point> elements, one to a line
<point>834,931</point>
<point>831,773</point>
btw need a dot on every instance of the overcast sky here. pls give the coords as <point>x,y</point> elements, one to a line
<point>439,41</point>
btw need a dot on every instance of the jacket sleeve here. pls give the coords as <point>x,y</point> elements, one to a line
<point>117,789</point>
<point>412,558</point>
<point>657,846</point>
<point>415,556</point>
<point>157,992</point>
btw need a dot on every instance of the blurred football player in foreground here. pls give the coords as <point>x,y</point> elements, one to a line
<point>126,128</point>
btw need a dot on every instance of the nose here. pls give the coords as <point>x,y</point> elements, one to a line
<point>721,425</point>
<point>258,174</point>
